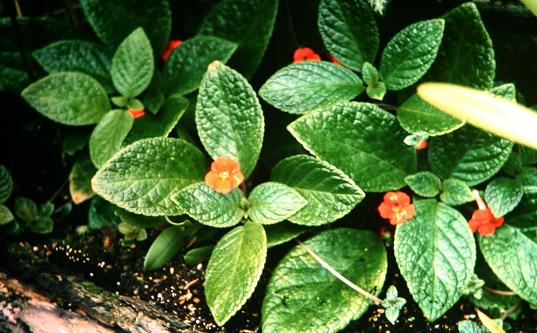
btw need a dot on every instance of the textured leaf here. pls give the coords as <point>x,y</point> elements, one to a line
<point>113,20</point>
<point>307,85</point>
<point>6,184</point>
<point>13,75</point>
<point>455,192</point>
<point>209,207</point>
<point>5,215</point>
<point>248,23</point>
<point>199,254</point>
<point>417,116</point>
<point>229,118</point>
<point>410,53</point>
<point>330,194</point>
<point>435,252</point>
<point>468,154</point>
<point>271,202</point>
<point>68,98</point>
<point>144,176</point>
<point>468,326</point>
<point>302,296</point>
<point>503,195</point>
<point>512,256</point>
<point>282,232</point>
<point>77,56</point>
<point>424,183</point>
<point>80,180</point>
<point>525,214</point>
<point>101,214</point>
<point>164,247</point>
<point>26,209</point>
<point>187,64</point>
<point>107,137</point>
<point>132,65</point>
<point>362,140</point>
<point>467,41</point>
<point>235,267</point>
<point>349,31</point>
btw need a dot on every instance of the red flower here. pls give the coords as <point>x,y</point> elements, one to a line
<point>334,60</point>
<point>421,145</point>
<point>136,113</point>
<point>305,53</point>
<point>225,175</point>
<point>484,222</point>
<point>172,44</point>
<point>396,207</point>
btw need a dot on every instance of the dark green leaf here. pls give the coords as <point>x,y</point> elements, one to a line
<point>6,184</point>
<point>503,195</point>
<point>42,225</point>
<point>424,183</point>
<point>140,221</point>
<point>5,215</point>
<point>283,232</point>
<point>80,180</point>
<point>455,192</point>
<point>75,141</point>
<point>199,254</point>
<point>107,137</point>
<point>271,202</point>
<point>26,209</point>
<point>525,214</point>
<point>164,248</point>
<point>46,209</point>
<point>101,214</point>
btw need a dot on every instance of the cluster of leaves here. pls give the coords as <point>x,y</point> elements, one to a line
<point>146,175</point>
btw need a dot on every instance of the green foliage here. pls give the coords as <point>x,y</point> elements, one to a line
<point>80,180</point>
<point>140,221</point>
<point>199,254</point>
<point>503,195</point>
<point>271,202</point>
<point>107,137</point>
<point>5,215</point>
<point>101,214</point>
<point>375,88</point>
<point>393,304</point>
<point>282,233</point>
<point>424,183</point>
<point>165,247</point>
<point>455,192</point>
<point>6,184</point>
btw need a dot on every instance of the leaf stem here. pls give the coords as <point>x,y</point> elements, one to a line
<point>500,292</point>
<point>480,203</point>
<point>510,310</point>
<point>340,277</point>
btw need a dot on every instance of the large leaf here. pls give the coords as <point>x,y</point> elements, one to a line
<point>307,85</point>
<point>68,98</point>
<point>132,65</point>
<point>164,247</point>
<point>512,255</point>
<point>77,56</point>
<point>80,180</point>
<point>187,64</point>
<point>6,184</point>
<point>362,140</point>
<point>349,31</point>
<point>107,137</point>
<point>436,254</point>
<point>410,53</point>
<point>234,269</point>
<point>248,23</point>
<point>302,296</point>
<point>503,195</point>
<point>466,55</point>
<point>229,118</point>
<point>273,202</point>
<point>144,176</point>
<point>209,207</point>
<point>113,20</point>
<point>330,194</point>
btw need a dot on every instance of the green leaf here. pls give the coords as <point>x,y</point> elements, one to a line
<point>376,91</point>
<point>75,141</point>
<point>132,65</point>
<point>417,116</point>
<point>101,214</point>
<point>455,192</point>
<point>234,269</point>
<point>349,31</point>
<point>282,232</point>
<point>467,41</point>
<point>424,183</point>
<point>42,225</point>
<point>503,195</point>
<point>26,209</point>
<point>410,53</point>
<point>330,194</point>
<point>229,117</point>
<point>468,154</point>
<point>77,56</point>
<point>362,140</point>
<point>208,207</point>
<point>161,124</point>
<point>107,137</point>
<point>435,252</point>
<point>525,213</point>
<point>164,248</point>
<point>370,74</point>
<point>5,215</point>
<point>468,326</point>
<point>140,221</point>
<point>308,85</point>
<point>144,176</point>
<point>184,69</point>
<point>302,296</point>
<point>512,256</point>
<point>199,254</point>
<point>46,209</point>
<point>6,184</point>
<point>393,304</point>
<point>68,98</point>
<point>271,202</point>
<point>80,180</point>
<point>113,20</point>
<point>248,23</point>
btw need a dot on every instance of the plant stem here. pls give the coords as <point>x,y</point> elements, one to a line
<point>340,277</point>
<point>500,292</point>
<point>477,197</point>
<point>510,310</point>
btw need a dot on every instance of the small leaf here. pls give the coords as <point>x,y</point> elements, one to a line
<point>376,91</point>
<point>271,202</point>
<point>308,85</point>
<point>46,209</point>
<point>5,215</point>
<point>42,225</point>
<point>234,269</point>
<point>132,65</point>
<point>282,232</point>
<point>26,209</point>
<point>199,254</point>
<point>164,248</point>
<point>455,192</point>
<point>503,195</point>
<point>208,207</point>
<point>349,31</point>
<point>6,184</point>
<point>68,98</point>
<point>424,183</point>
<point>80,180</point>
<point>107,137</point>
<point>393,304</point>
<point>101,214</point>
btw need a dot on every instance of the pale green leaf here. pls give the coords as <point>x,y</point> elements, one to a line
<point>424,183</point>
<point>272,202</point>
<point>455,192</point>
<point>107,137</point>
<point>503,195</point>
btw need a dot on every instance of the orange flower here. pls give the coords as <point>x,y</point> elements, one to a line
<point>396,207</point>
<point>136,113</point>
<point>172,44</point>
<point>225,175</point>
<point>484,222</point>
<point>421,145</point>
<point>334,60</point>
<point>305,53</point>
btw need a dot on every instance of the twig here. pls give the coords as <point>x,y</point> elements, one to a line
<point>512,309</point>
<point>500,292</point>
<point>59,190</point>
<point>18,8</point>
<point>386,106</point>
